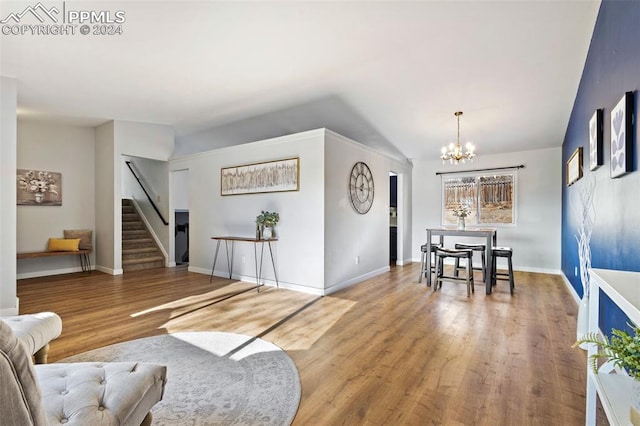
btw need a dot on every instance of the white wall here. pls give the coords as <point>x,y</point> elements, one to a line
<point>145,140</point>
<point>180,190</point>
<point>348,234</point>
<point>300,251</point>
<point>105,172</point>
<point>154,175</point>
<point>68,150</point>
<point>8,155</point>
<point>536,236</point>
<point>113,140</point>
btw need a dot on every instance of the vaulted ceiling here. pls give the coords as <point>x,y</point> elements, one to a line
<point>388,74</point>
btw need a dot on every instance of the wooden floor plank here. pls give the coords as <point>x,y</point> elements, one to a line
<point>385,351</point>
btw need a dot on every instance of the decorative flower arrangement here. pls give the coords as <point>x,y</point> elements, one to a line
<point>622,349</point>
<point>267,219</point>
<point>39,182</point>
<point>461,211</point>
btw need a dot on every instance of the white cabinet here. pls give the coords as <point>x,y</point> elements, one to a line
<point>623,288</point>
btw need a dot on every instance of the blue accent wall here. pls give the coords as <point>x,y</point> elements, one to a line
<point>611,69</point>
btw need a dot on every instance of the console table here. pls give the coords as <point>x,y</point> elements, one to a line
<point>490,235</point>
<point>623,288</point>
<point>255,241</point>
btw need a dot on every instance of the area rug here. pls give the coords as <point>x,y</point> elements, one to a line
<point>214,378</point>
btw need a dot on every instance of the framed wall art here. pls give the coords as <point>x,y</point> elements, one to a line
<point>39,188</point>
<point>574,166</point>
<point>256,178</point>
<point>622,136</point>
<point>596,153</point>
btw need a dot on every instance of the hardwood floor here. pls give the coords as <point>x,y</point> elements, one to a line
<point>386,351</point>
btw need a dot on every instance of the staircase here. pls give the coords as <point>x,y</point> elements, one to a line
<point>139,250</point>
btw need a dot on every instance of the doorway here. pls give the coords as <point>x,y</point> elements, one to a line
<point>393,218</point>
<point>180,192</point>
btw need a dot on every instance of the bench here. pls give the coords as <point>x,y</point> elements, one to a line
<point>85,260</point>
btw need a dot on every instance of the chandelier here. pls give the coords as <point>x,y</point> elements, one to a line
<point>454,152</point>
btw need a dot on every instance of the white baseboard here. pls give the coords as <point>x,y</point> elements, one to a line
<point>570,288</point>
<point>109,271</point>
<point>252,280</point>
<point>355,280</point>
<point>293,286</point>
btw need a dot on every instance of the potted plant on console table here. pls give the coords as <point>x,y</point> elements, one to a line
<point>266,225</point>
<point>623,350</point>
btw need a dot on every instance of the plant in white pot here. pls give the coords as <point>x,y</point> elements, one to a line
<point>623,350</point>
<point>266,224</point>
<point>461,212</point>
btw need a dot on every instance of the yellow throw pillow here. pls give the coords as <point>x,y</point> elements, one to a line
<point>62,244</point>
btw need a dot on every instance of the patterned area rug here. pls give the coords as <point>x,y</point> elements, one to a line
<point>214,378</point>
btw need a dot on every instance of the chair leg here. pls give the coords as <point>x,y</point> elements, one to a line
<point>423,262</point>
<point>148,419</point>
<point>484,267</point>
<point>456,266</point>
<point>439,273</point>
<point>41,355</point>
<point>511,284</point>
<point>494,272</point>
<point>470,284</point>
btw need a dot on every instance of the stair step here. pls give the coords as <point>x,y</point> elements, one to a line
<point>137,243</point>
<point>140,253</point>
<point>140,250</point>
<point>130,217</point>
<point>141,266</point>
<point>135,233</point>
<point>149,259</point>
<point>129,226</point>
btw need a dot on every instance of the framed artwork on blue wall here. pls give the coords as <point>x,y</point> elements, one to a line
<point>596,154</point>
<point>574,166</point>
<point>622,136</point>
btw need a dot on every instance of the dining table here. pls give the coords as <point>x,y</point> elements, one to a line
<point>489,234</point>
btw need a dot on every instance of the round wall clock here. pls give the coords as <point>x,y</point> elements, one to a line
<point>361,187</point>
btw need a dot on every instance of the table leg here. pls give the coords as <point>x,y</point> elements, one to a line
<point>489,262</point>
<point>428,259</point>
<point>275,273</point>
<point>233,251</point>
<point>261,257</point>
<point>255,258</point>
<point>229,261</point>
<point>215,257</point>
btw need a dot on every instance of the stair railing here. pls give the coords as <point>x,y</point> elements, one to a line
<point>147,194</point>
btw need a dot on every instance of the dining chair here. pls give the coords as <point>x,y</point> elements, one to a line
<point>443,253</point>
<point>481,248</point>
<point>423,260</point>
<point>506,252</point>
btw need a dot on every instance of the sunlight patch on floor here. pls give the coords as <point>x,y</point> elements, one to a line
<point>306,328</point>
<point>191,301</point>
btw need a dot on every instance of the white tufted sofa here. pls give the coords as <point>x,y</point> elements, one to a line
<point>35,331</point>
<point>84,393</point>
